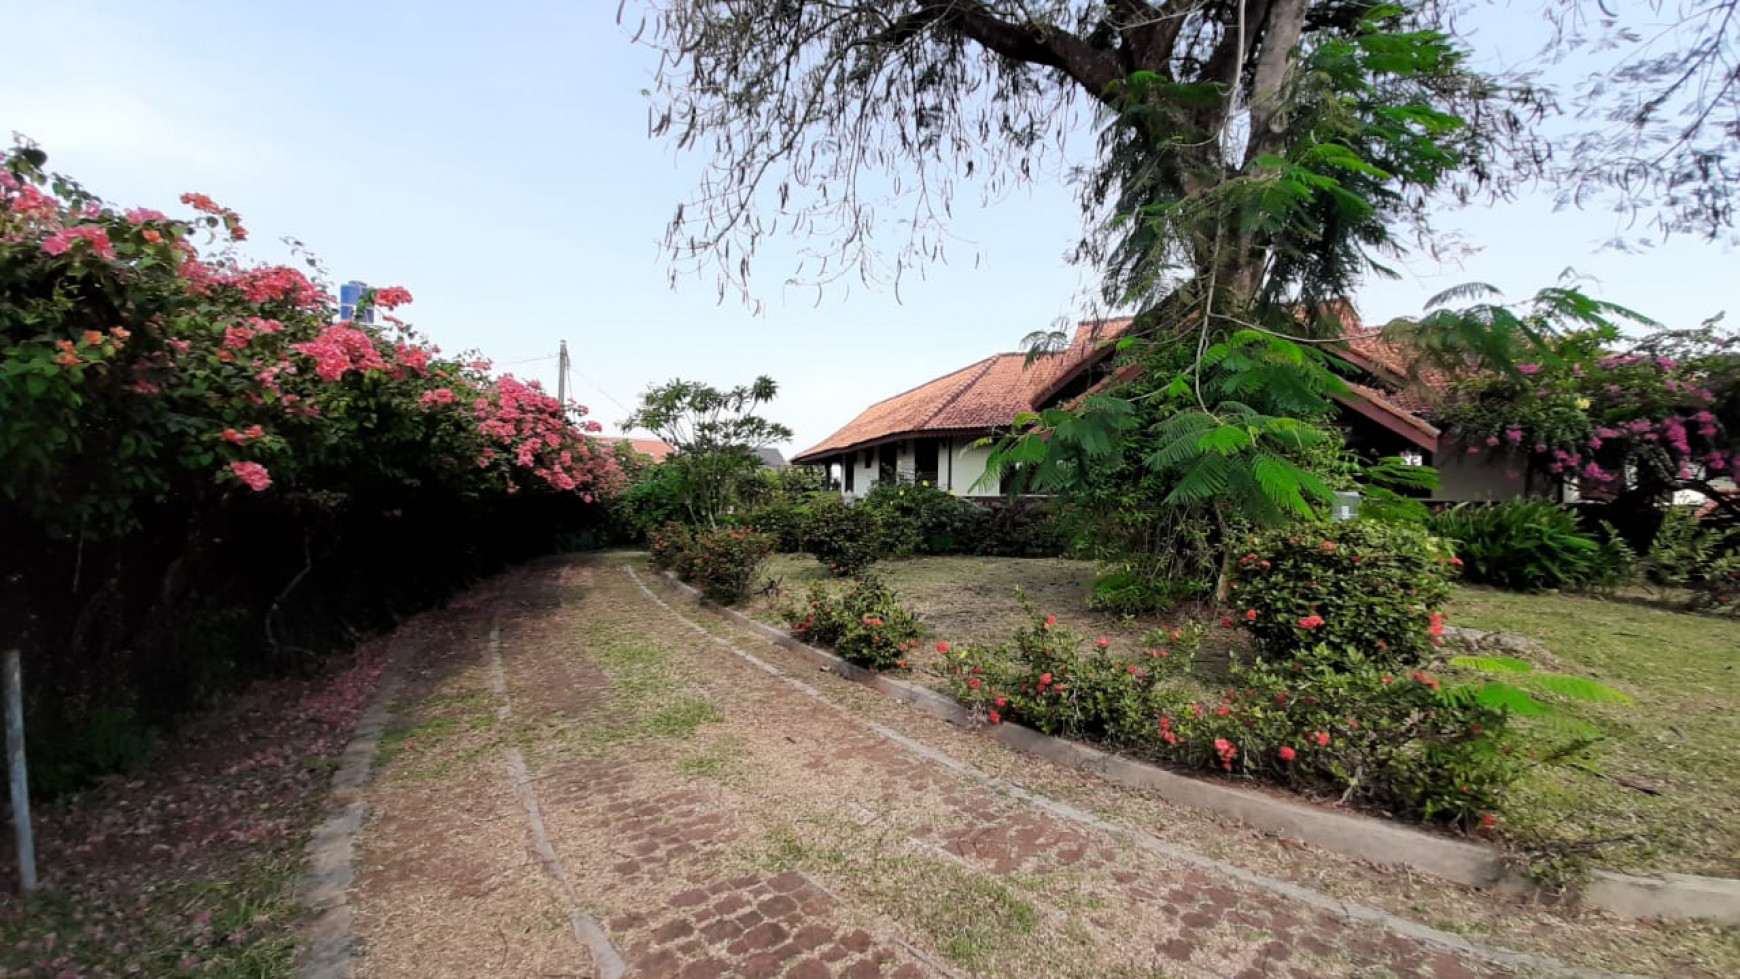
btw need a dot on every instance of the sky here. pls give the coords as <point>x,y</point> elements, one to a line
<point>494,159</point>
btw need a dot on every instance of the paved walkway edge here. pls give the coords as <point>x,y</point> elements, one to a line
<point>1668,896</point>
<point>324,888</point>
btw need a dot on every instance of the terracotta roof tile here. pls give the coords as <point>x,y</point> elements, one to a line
<point>979,397</point>
<point>659,450</point>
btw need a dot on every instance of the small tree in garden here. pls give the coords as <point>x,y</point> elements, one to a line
<point>715,433</point>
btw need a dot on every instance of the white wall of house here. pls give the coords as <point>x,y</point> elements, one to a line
<point>969,465</point>
<point>1485,477</point>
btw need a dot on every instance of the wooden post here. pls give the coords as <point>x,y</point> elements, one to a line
<point>20,777</point>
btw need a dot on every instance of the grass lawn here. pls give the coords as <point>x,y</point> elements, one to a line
<point>1677,740</point>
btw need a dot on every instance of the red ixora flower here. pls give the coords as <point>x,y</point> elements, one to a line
<point>1322,739</point>
<point>994,717</point>
<point>1311,622</point>
<point>1226,623</point>
<point>1250,615</point>
<point>1488,821</point>
<point>1102,642</point>
<point>943,648</point>
<point>1051,620</point>
<point>1288,754</point>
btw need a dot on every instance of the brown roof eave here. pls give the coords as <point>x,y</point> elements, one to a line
<point>817,455</point>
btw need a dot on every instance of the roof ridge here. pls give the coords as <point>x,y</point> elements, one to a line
<point>984,361</point>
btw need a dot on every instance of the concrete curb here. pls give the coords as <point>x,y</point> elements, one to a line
<point>1668,896</point>
<point>324,888</point>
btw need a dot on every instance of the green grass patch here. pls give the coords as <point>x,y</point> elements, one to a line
<point>1659,791</point>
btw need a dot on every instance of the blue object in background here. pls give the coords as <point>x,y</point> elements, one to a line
<point>349,295</point>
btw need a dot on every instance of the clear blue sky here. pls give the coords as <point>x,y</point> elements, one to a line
<point>493,158</point>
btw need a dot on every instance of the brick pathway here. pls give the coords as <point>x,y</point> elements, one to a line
<point>716,822</point>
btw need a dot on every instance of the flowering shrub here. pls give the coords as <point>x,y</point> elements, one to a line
<point>1052,678</point>
<point>866,624</point>
<point>723,563</point>
<point>1400,742</point>
<point>1403,742</point>
<point>670,546</point>
<point>1370,589</point>
<point>1652,417</point>
<point>207,444</point>
<point>846,539</point>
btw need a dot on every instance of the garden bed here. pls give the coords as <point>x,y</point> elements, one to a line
<point>1658,794</point>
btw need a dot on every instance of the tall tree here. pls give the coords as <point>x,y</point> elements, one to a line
<point>1657,118</point>
<point>1263,149</point>
<point>1255,159</point>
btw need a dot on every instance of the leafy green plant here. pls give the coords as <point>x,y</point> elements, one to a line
<point>670,547</point>
<point>1525,545</point>
<point>845,538</point>
<point>866,624</point>
<point>1369,590</point>
<point>1700,555</point>
<point>725,563</point>
<point>1128,591</point>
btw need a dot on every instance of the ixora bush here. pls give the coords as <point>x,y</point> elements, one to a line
<point>866,624</point>
<point>724,564</point>
<point>1404,742</point>
<point>1527,545</point>
<point>1370,589</point>
<point>205,476</point>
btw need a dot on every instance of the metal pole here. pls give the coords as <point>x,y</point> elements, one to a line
<point>16,768</point>
<point>562,376</point>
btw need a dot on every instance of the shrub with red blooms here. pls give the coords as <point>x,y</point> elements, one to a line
<point>1052,678</point>
<point>865,624</point>
<point>1372,589</point>
<point>723,563</point>
<point>1406,745</point>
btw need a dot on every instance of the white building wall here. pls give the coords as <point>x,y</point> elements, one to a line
<point>1486,477</point>
<point>969,466</point>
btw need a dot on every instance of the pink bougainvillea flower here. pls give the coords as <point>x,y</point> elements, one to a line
<point>392,297</point>
<point>1311,622</point>
<point>1528,368</point>
<point>252,474</point>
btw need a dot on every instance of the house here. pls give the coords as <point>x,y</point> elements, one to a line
<point>929,434</point>
<point>657,450</point>
<point>771,457</point>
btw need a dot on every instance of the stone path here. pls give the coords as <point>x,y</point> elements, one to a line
<point>705,819</point>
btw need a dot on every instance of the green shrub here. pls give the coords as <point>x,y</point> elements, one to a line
<point>1702,556</point>
<point>670,546</point>
<point>1130,592</point>
<point>725,563</point>
<point>866,624</point>
<point>1403,743</point>
<point>1370,589</point>
<point>922,519</point>
<point>1525,545</point>
<point>1052,678</point>
<point>846,539</point>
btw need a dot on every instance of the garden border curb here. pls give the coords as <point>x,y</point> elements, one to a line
<point>1668,896</point>
<point>323,889</point>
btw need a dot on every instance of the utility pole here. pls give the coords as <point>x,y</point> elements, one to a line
<point>562,375</point>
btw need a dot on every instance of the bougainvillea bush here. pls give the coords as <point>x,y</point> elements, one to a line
<point>194,450</point>
<point>865,624</point>
<point>1627,420</point>
<point>1371,589</point>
